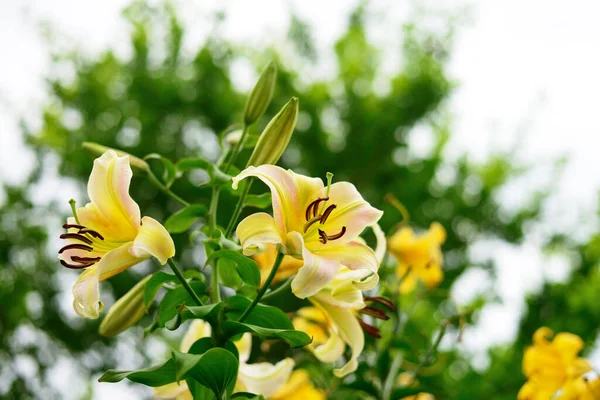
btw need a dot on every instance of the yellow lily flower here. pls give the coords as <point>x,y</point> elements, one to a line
<point>260,378</point>
<point>406,379</point>
<point>109,235</point>
<point>299,387</point>
<point>289,265</point>
<point>418,256</point>
<point>316,224</point>
<point>333,321</point>
<point>580,389</point>
<point>548,366</point>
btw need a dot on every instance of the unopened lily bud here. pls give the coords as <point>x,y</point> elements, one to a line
<point>233,137</point>
<point>276,136</point>
<point>96,150</point>
<point>126,311</point>
<point>261,95</point>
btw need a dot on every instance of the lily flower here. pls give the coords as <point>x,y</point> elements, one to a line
<point>549,366</point>
<point>299,387</point>
<point>334,320</point>
<point>419,256</point>
<point>316,224</point>
<point>107,236</point>
<point>261,378</point>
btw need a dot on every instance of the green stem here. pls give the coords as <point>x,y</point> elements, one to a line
<point>237,148</point>
<point>280,289</point>
<point>184,282</point>
<point>389,381</point>
<point>166,190</point>
<point>238,209</point>
<point>212,212</point>
<point>215,291</point>
<point>433,348</point>
<point>264,287</point>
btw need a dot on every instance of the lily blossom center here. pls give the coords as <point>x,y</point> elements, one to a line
<point>313,216</point>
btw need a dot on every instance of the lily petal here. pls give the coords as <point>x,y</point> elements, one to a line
<point>353,255</point>
<point>316,272</point>
<point>244,347</point>
<point>291,193</point>
<point>198,329</point>
<point>257,230</point>
<point>265,378</point>
<point>331,350</point>
<point>153,240</point>
<point>347,327</point>
<point>352,211</point>
<point>381,245</point>
<point>108,189</point>
<point>86,302</point>
<point>172,390</point>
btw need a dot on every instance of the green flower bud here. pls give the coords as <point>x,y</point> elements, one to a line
<point>126,311</point>
<point>261,95</point>
<point>96,150</point>
<point>276,136</point>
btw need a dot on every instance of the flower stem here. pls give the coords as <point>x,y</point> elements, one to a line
<point>433,348</point>
<point>264,287</point>
<point>165,189</point>
<point>389,381</point>
<point>280,289</point>
<point>184,282</point>
<point>238,209</point>
<point>215,291</point>
<point>237,148</point>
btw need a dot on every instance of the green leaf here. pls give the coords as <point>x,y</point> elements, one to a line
<point>208,312</point>
<point>228,275</point>
<point>198,391</point>
<point>262,315</point>
<point>184,218</point>
<point>158,375</point>
<point>246,267</point>
<point>154,284</point>
<point>246,395</point>
<point>175,300</point>
<point>292,337</point>
<point>216,369</point>
<point>169,172</point>
<point>261,201</point>
<point>402,392</point>
<point>217,177</point>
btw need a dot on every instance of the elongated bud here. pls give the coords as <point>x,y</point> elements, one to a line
<point>126,311</point>
<point>96,150</point>
<point>276,136</point>
<point>261,95</point>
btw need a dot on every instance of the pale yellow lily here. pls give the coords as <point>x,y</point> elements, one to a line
<point>260,378</point>
<point>316,224</point>
<point>299,387</point>
<point>419,256</point>
<point>549,366</point>
<point>109,235</point>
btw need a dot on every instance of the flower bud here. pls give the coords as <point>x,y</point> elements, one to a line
<point>96,150</point>
<point>261,95</point>
<point>126,311</point>
<point>276,136</point>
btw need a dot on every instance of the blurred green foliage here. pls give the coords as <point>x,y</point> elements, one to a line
<point>175,105</point>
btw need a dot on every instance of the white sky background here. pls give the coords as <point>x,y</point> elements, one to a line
<point>528,74</point>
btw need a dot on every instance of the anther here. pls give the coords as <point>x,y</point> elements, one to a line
<point>69,226</point>
<point>314,206</point>
<point>85,259</point>
<point>337,235</point>
<point>76,236</point>
<point>328,211</point>
<point>323,236</point>
<point>75,246</point>
<point>91,232</point>
<point>374,312</point>
<point>370,329</point>
<point>383,301</point>
<point>73,266</point>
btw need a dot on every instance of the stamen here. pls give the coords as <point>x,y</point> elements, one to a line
<point>76,236</point>
<point>310,223</point>
<point>323,236</point>
<point>85,259</point>
<point>91,232</point>
<point>328,211</point>
<point>337,235</point>
<point>314,206</point>
<point>73,266</point>
<point>370,329</point>
<point>75,246</point>
<point>68,226</point>
<point>383,301</point>
<point>374,312</point>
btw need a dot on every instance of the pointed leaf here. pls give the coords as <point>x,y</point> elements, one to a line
<point>157,375</point>
<point>174,301</point>
<point>183,219</point>
<point>169,172</point>
<point>217,177</point>
<point>262,315</point>
<point>292,337</point>
<point>261,201</point>
<point>246,267</point>
<point>154,284</point>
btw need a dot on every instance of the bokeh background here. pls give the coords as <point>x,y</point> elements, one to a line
<point>479,115</point>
